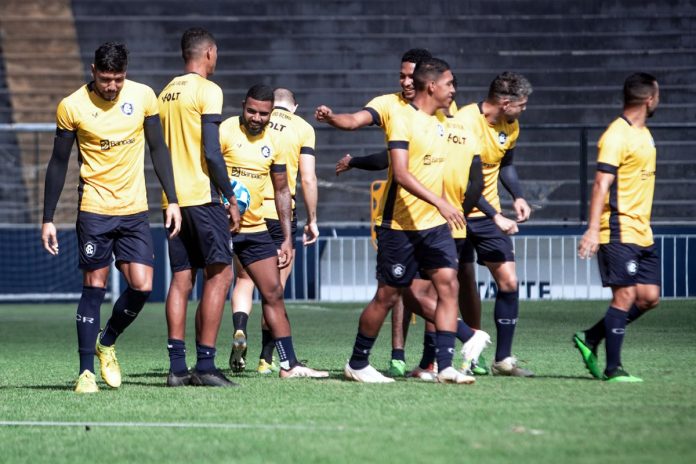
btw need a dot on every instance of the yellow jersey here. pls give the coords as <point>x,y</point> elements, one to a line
<point>250,159</point>
<point>495,140</point>
<point>425,139</point>
<point>111,143</point>
<point>296,137</point>
<point>182,105</point>
<point>629,153</point>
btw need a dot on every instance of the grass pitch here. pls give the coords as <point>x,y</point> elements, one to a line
<point>562,415</point>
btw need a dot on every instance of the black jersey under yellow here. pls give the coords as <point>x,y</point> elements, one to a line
<point>495,141</point>
<point>251,159</point>
<point>182,105</point>
<point>629,153</point>
<point>111,146</point>
<point>295,137</point>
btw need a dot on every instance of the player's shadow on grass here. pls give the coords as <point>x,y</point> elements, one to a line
<point>563,377</point>
<point>48,387</point>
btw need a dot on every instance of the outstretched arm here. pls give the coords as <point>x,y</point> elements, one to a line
<point>345,121</point>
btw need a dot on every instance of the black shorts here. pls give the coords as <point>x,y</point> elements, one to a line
<point>277,232</point>
<point>492,245</point>
<point>204,239</point>
<point>254,247</point>
<point>626,264</point>
<point>401,254</point>
<point>99,236</point>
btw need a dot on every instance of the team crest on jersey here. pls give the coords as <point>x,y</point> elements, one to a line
<point>90,249</point>
<point>127,109</point>
<point>266,151</point>
<point>398,270</point>
<point>632,267</point>
<point>502,138</point>
<point>440,130</point>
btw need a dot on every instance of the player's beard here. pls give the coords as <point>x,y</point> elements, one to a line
<point>253,130</point>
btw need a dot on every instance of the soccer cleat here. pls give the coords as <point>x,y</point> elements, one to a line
<point>210,379</point>
<point>588,353</point>
<point>367,374</point>
<point>426,375</point>
<point>452,375</point>
<point>300,370</point>
<point>266,368</point>
<point>86,383</point>
<point>110,370</point>
<point>174,380</point>
<point>474,346</point>
<point>397,368</point>
<point>238,354</point>
<point>621,376</point>
<point>478,366</point>
<point>509,367</point>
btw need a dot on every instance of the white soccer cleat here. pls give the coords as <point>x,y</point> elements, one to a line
<point>509,367</point>
<point>300,370</point>
<point>365,375</point>
<point>452,375</point>
<point>473,348</point>
<point>426,375</point>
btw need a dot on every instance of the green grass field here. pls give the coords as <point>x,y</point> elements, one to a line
<point>561,416</point>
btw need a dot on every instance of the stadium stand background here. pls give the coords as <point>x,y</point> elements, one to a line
<point>340,53</point>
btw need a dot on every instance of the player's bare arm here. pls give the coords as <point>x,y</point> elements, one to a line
<point>589,244</point>
<point>283,204</point>
<point>310,193</point>
<point>343,164</point>
<point>344,121</point>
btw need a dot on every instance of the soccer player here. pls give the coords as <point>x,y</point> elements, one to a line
<point>297,139</point>
<point>379,112</point>
<point>412,227</point>
<point>495,122</point>
<point>190,110</point>
<point>111,118</point>
<point>255,157</point>
<point>619,229</point>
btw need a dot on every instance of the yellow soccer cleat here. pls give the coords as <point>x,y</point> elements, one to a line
<point>86,383</point>
<point>266,368</point>
<point>110,370</point>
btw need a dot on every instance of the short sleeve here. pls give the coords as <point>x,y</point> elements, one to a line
<point>150,102</point>
<point>399,132</point>
<point>379,110</point>
<point>64,117</point>
<point>308,141</point>
<point>610,150</point>
<point>210,98</point>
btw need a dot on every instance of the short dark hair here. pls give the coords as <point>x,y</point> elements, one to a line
<point>260,92</point>
<point>638,87</point>
<point>416,55</point>
<point>111,57</point>
<point>193,40</point>
<point>428,70</point>
<point>510,85</point>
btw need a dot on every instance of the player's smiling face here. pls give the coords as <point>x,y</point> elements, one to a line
<point>443,89</point>
<point>406,80</point>
<point>256,114</point>
<point>108,84</point>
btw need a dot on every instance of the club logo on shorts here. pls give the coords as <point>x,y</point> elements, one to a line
<point>266,151</point>
<point>127,109</point>
<point>90,249</point>
<point>632,267</point>
<point>398,270</point>
<point>440,130</point>
<point>502,138</point>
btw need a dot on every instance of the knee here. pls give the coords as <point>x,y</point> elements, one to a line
<point>274,295</point>
<point>386,300</point>
<point>648,302</point>
<point>508,283</point>
<point>141,286</point>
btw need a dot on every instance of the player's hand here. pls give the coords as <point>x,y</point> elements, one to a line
<point>508,226</point>
<point>49,238</point>
<point>172,221</point>
<point>452,215</point>
<point>589,244</point>
<point>522,209</point>
<point>234,216</point>
<point>285,254</point>
<point>310,234</point>
<point>323,113</point>
<point>343,164</point>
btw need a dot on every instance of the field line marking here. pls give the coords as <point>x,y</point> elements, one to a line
<point>181,425</point>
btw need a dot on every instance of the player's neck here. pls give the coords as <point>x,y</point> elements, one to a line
<point>491,112</point>
<point>425,103</point>
<point>197,68</point>
<point>636,115</point>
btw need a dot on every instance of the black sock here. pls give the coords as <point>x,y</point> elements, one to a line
<point>87,319</point>
<point>177,356</point>
<point>286,352</point>
<point>126,309</point>
<point>267,345</point>
<point>505,313</point>
<point>361,351</point>
<point>239,320</point>
<point>429,347</point>
<point>615,327</point>
<point>205,358</point>
<point>464,332</point>
<point>595,334</point>
<point>445,349</point>
<point>398,354</point>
